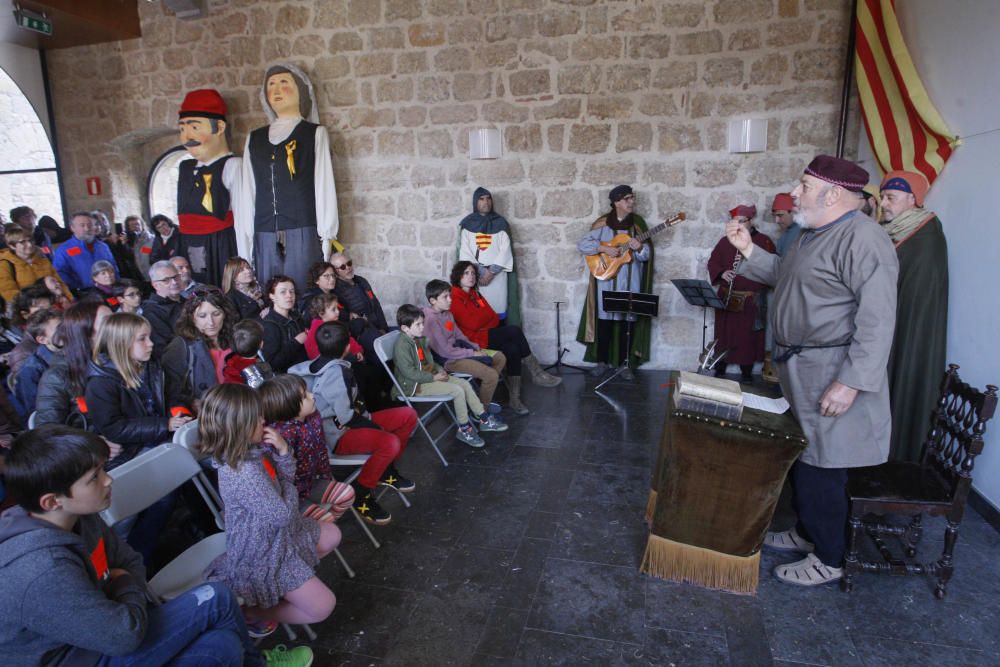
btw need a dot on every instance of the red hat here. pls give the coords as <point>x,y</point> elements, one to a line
<point>748,212</point>
<point>204,103</point>
<point>838,171</point>
<point>907,181</point>
<point>782,202</point>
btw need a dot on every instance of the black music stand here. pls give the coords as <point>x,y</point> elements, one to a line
<point>632,304</point>
<point>560,350</point>
<point>701,294</point>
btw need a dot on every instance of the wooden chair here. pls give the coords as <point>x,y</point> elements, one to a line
<point>937,486</point>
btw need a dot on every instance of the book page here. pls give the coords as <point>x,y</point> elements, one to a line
<point>775,406</point>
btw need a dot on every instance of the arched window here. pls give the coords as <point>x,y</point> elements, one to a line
<point>28,176</point>
<point>162,183</point>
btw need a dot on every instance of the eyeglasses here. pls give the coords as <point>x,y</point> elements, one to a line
<point>329,276</point>
<point>169,279</point>
<point>343,266</point>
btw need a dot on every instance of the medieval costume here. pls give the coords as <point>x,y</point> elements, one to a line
<point>918,348</point>
<point>290,188</point>
<point>484,239</point>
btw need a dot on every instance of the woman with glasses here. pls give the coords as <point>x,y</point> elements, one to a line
<point>320,279</point>
<point>364,315</point>
<point>194,359</point>
<point>21,265</point>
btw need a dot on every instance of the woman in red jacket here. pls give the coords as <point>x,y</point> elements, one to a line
<point>480,323</point>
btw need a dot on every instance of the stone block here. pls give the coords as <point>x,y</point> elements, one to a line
<point>188,33</point>
<point>555,136</point>
<point>435,144</point>
<point>447,204</point>
<point>428,176</point>
<point>610,173</point>
<point>579,79</point>
<point>453,113</point>
<point>505,171</point>
<point>523,138</point>
<point>769,70</point>
<point>395,143</point>
<point>426,34</point>
<point>723,72</point>
<point>789,33</point>
<point>772,172</point>
<point>411,62</point>
<point>396,10</point>
<point>743,11</point>
<point>817,130</point>
<point>683,14</point>
<point>802,96</point>
<point>589,139</point>
<point>670,174</point>
<point>309,45</point>
<point>173,60</point>
<point>381,177</point>
<point>597,48</point>
<point>788,8</point>
<point>510,6</point>
<point>434,89</point>
<point>658,104</point>
<point>649,47</point>
<point>818,64</point>
<point>543,53</point>
<point>143,62</point>
<point>446,7</point>
<point>568,204</point>
<point>558,22</point>
<point>605,107</point>
<point>504,112</point>
<point>635,19</point>
<point>530,82</point>
<point>542,291</point>
<point>628,78</point>
<point>713,174</point>
<point>466,30</point>
<point>435,235</point>
<point>566,107</point>
<point>635,136</point>
<point>675,137</point>
<point>328,15</point>
<point>678,74</point>
<point>747,39</point>
<point>394,90</point>
<point>330,67</point>
<point>291,19</point>
<point>493,56</point>
<point>369,204</point>
<point>409,207</point>
<point>374,64</point>
<point>412,116</point>
<point>363,12</point>
<point>834,30</point>
<point>718,205</point>
<point>526,260</point>
<point>345,41</point>
<point>698,43</point>
<point>733,104</point>
<point>672,202</point>
<point>354,145</point>
<point>340,93</point>
<point>510,26</point>
<point>561,263</point>
<point>483,7</point>
<point>453,59</point>
<point>470,86</point>
<point>552,172</point>
<point>595,20</point>
<point>368,117</point>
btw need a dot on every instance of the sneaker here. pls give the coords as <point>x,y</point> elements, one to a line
<point>487,423</point>
<point>370,510</point>
<point>395,480</point>
<point>468,435</point>
<point>810,571</point>
<point>261,628</point>
<point>788,540</point>
<point>282,656</point>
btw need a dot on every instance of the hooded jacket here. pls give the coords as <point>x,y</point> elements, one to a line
<point>59,607</point>
<point>336,393</point>
<point>18,274</point>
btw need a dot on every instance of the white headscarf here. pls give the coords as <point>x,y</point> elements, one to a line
<point>271,116</point>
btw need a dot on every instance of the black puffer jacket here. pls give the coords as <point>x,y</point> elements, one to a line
<point>281,350</point>
<point>359,299</point>
<point>189,369</point>
<point>246,306</point>
<point>122,415</point>
<point>56,403</point>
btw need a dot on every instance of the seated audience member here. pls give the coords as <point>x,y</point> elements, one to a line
<point>74,593</point>
<point>163,307</point>
<point>22,265</point>
<point>289,408</point>
<point>41,328</point>
<point>244,365</point>
<point>350,428</point>
<point>30,300</point>
<point>239,284</point>
<point>61,297</point>
<point>418,374</point>
<point>188,285</point>
<point>140,241</point>
<point>74,258</point>
<point>325,307</point>
<point>60,398</point>
<point>49,234</point>
<point>452,349</point>
<point>365,316</point>
<point>321,279</point>
<point>194,359</point>
<point>128,404</point>
<point>129,295</point>
<point>114,236</point>
<point>103,276</point>
<point>284,335</point>
<point>165,240</point>
<point>25,218</point>
<point>480,323</point>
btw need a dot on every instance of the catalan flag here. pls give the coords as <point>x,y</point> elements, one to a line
<point>904,129</point>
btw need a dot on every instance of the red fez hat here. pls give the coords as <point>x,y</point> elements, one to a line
<point>782,202</point>
<point>748,212</point>
<point>204,103</point>
<point>908,181</point>
<point>838,171</point>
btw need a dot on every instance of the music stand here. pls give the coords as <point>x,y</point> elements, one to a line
<point>560,350</point>
<point>701,294</point>
<point>638,304</point>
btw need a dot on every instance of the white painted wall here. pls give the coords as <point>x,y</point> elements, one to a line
<point>23,66</point>
<point>956,54</point>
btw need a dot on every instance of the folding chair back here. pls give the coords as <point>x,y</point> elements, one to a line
<point>187,570</point>
<point>147,478</point>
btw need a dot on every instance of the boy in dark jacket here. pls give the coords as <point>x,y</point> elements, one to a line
<point>42,328</point>
<point>72,592</point>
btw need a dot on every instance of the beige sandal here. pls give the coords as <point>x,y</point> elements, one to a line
<point>788,540</point>
<point>810,571</point>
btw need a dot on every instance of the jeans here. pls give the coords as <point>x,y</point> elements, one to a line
<point>203,627</point>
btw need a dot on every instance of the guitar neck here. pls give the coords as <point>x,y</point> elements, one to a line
<point>652,231</point>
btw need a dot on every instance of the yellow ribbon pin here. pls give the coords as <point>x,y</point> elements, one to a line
<point>290,155</point>
<point>206,200</point>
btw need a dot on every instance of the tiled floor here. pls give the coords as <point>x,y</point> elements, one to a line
<point>526,552</point>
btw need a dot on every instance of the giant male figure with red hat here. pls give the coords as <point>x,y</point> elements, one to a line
<point>918,348</point>
<point>833,316</point>
<point>209,198</point>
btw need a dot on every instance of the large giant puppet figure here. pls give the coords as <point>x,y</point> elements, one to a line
<point>288,175</point>
<point>209,188</point>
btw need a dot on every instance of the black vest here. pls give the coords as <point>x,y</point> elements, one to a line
<point>191,189</point>
<point>284,200</point>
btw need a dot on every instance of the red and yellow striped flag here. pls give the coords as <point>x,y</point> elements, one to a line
<point>904,129</point>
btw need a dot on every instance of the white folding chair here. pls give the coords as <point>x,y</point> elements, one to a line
<point>187,437</point>
<point>31,420</point>
<point>383,348</point>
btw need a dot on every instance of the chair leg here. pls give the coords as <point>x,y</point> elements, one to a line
<point>433,442</point>
<point>946,567</point>
<point>912,536</point>
<point>364,527</point>
<point>388,487</point>
<point>292,636</point>
<point>851,564</point>
<point>343,561</point>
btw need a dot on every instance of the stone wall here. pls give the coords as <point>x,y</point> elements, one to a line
<point>587,94</point>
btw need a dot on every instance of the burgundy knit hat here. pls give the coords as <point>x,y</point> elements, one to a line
<point>840,172</point>
<point>203,103</point>
<point>748,212</point>
<point>782,202</point>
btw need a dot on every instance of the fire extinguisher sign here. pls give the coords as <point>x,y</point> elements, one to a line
<point>94,186</point>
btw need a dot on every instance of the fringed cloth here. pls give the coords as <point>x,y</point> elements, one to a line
<point>714,490</point>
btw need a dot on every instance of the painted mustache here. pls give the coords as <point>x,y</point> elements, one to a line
<point>191,143</point>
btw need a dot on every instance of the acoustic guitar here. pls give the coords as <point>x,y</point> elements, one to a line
<point>605,267</point>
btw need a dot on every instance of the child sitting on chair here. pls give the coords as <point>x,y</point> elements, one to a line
<point>418,374</point>
<point>290,410</point>
<point>325,307</point>
<point>350,428</point>
<point>244,364</point>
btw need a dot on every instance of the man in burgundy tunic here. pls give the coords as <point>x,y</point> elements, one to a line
<point>740,328</point>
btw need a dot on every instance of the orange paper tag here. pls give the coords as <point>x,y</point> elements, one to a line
<point>371,295</point>
<point>479,300</point>
<point>74,251</point>
<point>179,410</point>
<point>45,250</point>
<point>269,467</point>
<point>449,325</point>
<point>112,301</point>
<point>420,353</point>
<point>81,404</point>
<point>146,250</point>
<point>99,559</point>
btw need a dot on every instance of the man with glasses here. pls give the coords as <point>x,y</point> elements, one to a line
<point>164,307</point>
<point>74,258</point>
<point>188,285</point>
<point>367,319</point>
